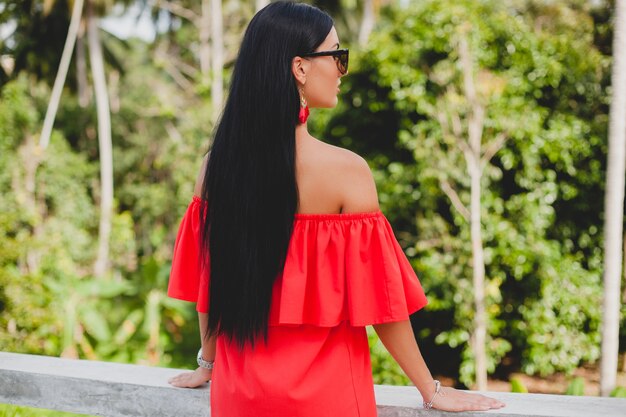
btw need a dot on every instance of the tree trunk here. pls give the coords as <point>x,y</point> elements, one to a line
<point>205,36</point>
<point>614,206</point>
<point>623,273</point>
<point>81,69</point>
<point>473,158</point>
<point>104,140</point>
<point>479,337</point>
<point>217,44</point>
<point>367,23</point>
<point>59,81</point>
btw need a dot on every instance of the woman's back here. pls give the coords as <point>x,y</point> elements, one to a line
<point>330,179</point>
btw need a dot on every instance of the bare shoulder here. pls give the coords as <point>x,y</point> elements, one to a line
<point>197,191</point>
<point>352,175</point>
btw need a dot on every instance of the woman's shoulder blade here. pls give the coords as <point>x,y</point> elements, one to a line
<point>349,175</point>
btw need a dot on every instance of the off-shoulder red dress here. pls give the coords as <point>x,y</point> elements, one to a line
<point>342,272</point>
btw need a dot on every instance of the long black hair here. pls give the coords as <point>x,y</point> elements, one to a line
<point>250,183</point>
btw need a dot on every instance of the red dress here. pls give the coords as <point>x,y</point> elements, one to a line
<point>342,272</point>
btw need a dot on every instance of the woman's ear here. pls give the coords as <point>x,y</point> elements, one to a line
<point>300,68</point>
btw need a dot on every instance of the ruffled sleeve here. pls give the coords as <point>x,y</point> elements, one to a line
<point>345,267</point>
<point>188,280</point>
<point>339,267</point>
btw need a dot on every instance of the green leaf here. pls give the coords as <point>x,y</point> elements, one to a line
<point>95,324</point>
<point>619,392</point>
<point>128,327</point>
<point>106,288</point>
<point>518,386</point>
<point>576,387</point>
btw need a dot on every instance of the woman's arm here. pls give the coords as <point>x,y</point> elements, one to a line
<point>200,375</point>
<point>399,340</point>
<point>208,344</point>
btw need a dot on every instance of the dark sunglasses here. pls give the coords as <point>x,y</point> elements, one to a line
<point>340,56</point>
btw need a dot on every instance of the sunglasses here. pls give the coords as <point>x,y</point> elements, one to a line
<point>339,55</point>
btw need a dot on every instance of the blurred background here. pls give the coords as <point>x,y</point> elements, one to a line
<point>485,123</point>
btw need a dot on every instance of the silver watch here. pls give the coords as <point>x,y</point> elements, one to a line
<point>204,364</point>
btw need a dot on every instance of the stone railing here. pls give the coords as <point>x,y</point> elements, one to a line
<point>120,390</point>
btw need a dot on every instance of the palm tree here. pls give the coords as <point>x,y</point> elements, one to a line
<point>59,81</point>
<point>369,19</point>
<point>217,67</point>
<point>208,20</point>
<point>614,206</point>
<point>104,140</point>
<point>83,12</point>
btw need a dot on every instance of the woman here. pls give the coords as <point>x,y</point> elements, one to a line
<point>288,232</point>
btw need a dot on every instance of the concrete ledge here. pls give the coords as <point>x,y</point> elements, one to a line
<point>120,390</point>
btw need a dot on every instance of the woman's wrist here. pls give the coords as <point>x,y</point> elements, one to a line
<point>206,374</point>
<point>429,399</point>
<point>204,371</point>
<point>428,389</point>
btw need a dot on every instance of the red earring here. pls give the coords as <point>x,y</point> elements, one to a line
<point>304,108</point>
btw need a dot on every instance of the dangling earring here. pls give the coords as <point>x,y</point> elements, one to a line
<point>304,108</point>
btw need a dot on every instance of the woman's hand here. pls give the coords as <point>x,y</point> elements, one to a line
<point>450,399</point>
<point>191,379</point>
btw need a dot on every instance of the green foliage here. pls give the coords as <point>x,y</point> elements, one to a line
<point>576,387</point>
<point>18,411</point>
<point>563,330</point>
<point>46,216</point>
<point>619,392</point>
<point>518,386</point>
<point>50,302</point>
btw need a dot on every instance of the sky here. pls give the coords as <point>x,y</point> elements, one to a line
<point>133,22</point>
